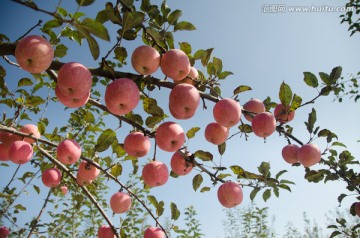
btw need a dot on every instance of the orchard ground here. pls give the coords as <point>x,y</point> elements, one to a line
<point>262,50</point>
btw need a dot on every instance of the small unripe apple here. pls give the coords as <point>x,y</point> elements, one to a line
<point>88,171</point>
<point>71,102</point>
<point>184,99</point>
<point>357,209</point>
<point>68,151</point>
<point>120,202</point>
<point>216,133</point>
<point>230,194</point>
<point>179,165</point>
<point>309,155</point>
<point>155,173</point>
<point>20,152</point>
<point>32,130</point>
<point>227,112</point>
<point>154,232</point>
<point>282,113</point>
<point>51,177</point>
<point>255,106</point>
<point>263,124</point>
<point>64,190</point>
<point>175,64</point>
<point>105,232</point>
<point>81,181</point>
<point>145,60</point>
<point>34,54</point>
<point>289,153</point>
<point>170,136</point>
<point>4,232</point>
<point>122,96</point>
<point>137,144</point>
<point>74,80</point>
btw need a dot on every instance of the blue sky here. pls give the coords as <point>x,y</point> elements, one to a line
<point>262,50</point>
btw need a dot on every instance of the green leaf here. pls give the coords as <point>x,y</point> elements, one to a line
<point>25,82</point>
<point>174,16</point>
<point>264,169</point>
<point>311,121</point>
<point>224,74</point>
<point>237,170</point>
<point>150,106</point>
<point>285,94</point>
<point>199,54</point>
<point>314,176</point>
<point>325,78</point>
<point>206,56</point>
<point>160,208</point>
<point>131,20</point>
<point>277,176</point>
<point>295,103</point>
<point>20,207</point>
<point>310,79</point>
<point>118,149</point>
<point>204,189</point>
<point>334,234</point>
<point>89,117</point>
<point>152,121</point>
<point>186,47</point>
<point>266,194</point>
<point>96,28</point>
<point>175,213</point>
<point>253,193</point>
<point>341,197</point>
<point>116,170</point>
<point>105,140</point>
<point>37,189</point>
<point>335,74</point>
<point>184,25</point>
<point>197,180</point>
<point>120,54</point>
<point>241,88</point>
<point>93,46</point>
<point>222,148</point>
<point>85,2</point>
<point>203,155</point>
<point>245,128</point>
<point>191,133</point>
<point>152,200</point>
<point>217,65</point>
<point>60,51</point>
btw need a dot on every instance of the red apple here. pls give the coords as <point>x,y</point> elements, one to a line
<point>154,232</point>
<point>20,152</point>
<point>282,113</point>
<point>357,208</point>
<point>122,96</point>
<point>71,102</point>
<point>145,60</point>
<point>88,171</point>
<point>4,152</point>
<point>34,54</point>
<point>155,173</point>
<point>105,232</point>
<point>64,190</point>
<point>137,144</point>
<point>309,155</point>
<point>227,112</point>
<point>74,80</point>
<point>170,136</point>
<point>81,181</point>
<point>216,133</point>
<point>184,99</point>
<point>179,165</point>
<point>289,153</point>
<point>175,64</point>
<point>230,194</point>
<point>4,232</point>
<point>120,202</point>
<point>193,75</point>
<point>177,116</point>
<point>254,106</point>
<point>263,124</point>
<point>31,130</point>
<point>51,177</point>
<point>68,151</point>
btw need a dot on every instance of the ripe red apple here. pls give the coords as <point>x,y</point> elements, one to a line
<point>88,171</point>
<point>216,133</point>
<point>4,152</point>
<point>282,113</point>
<point>154,232</point>
<point>357,208</point>
<point>170,136</point>
<point>120,202</point>
<point>230,194</point>
<point>81,181</point>
<point>137,144</point>
<point>20,152</point>
<point>309,155</point>
<point>74,80</point>
<point>122,96</point>
<point>34,54</point>
<point>105,232</point>
<point>255,106</point>
<point>51,177</point>
<point>64,190</point>
<point>32,130</point>
<point>4,232</point>
<point>227,112</point>
<point>193,75</point>
<point>179,165</point>
<point>263,124</point>
<point>289,153</point>
<point>155,173</point>
<point>68,151</point>
<point>175,64</point>
<point>145,60</point>
<point>184,99</point>
<point>71,102</point>
<point>6,139</point>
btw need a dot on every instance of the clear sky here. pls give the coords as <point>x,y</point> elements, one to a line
<point>262,49</point>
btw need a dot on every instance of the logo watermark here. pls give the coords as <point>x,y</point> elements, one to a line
<point>282,8</point>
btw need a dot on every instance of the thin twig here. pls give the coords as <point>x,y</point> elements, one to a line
<point>32,28</point>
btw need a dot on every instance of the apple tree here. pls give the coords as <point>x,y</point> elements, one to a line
<point>75,152</point>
